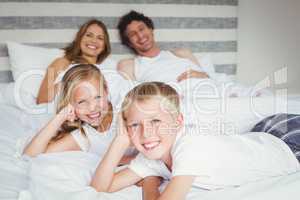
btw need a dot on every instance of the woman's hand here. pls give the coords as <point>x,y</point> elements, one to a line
<point>191,74</point>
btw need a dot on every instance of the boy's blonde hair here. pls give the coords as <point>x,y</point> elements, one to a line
<point>74,76</point>
<point>149,90</point>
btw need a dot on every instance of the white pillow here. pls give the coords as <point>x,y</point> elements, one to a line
<point>29,64</point>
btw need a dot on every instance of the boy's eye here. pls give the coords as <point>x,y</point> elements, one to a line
<point>98,97</point>
<point>133,126</point>
<point>155,121</point>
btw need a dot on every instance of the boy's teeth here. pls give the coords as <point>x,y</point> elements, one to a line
<point>151,145</point>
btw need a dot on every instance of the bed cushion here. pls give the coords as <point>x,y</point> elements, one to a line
<point>29,64</point>
<point>284,126</point>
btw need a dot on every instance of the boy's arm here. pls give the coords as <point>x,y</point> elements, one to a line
<point>151,187</point>
<point>105,178</point>
<point>178,188</point>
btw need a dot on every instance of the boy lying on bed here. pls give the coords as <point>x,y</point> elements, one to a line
<point>152,122</point>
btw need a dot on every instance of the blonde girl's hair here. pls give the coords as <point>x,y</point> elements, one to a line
<point>149,90</point>
<point>73,51</point>
<point>74,76</point>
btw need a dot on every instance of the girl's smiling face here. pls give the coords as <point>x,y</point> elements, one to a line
<point>90,101</point>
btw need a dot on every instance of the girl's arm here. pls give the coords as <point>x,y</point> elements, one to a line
<point>40,143</point>
<point>48,89</point>
<point>178,188</point>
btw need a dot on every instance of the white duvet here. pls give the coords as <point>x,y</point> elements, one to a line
<point>66,175</point>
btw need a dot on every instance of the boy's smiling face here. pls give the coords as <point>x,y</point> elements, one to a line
<point>152,128</point>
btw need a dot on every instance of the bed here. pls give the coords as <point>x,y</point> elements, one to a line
<point>211,25</point>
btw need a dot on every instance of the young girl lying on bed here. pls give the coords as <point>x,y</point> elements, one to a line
<point>152,122</point>
<point>83,119</point>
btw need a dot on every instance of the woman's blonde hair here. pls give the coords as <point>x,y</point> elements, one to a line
<point>74,76</point>
<point>73,50</point>
<point>149,90</point>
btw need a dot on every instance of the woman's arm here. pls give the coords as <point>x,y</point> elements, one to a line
<point>48,89</point>
<point>40,143</point>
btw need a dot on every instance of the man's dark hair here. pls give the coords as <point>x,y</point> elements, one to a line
<point>126,19</point>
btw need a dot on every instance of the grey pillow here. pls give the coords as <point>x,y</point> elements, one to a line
<point>284,126</point>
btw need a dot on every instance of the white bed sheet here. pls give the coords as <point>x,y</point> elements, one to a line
<point>13,172</point>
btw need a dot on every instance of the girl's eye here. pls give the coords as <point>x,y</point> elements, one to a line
<point>98,97</point>
<point>82,102</point>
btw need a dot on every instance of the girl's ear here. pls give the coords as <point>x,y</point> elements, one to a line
<point>180,120</point>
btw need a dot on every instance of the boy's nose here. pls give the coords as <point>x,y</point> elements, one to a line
<point>148,130</point>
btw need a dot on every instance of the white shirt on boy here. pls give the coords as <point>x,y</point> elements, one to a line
<point>220,161</point>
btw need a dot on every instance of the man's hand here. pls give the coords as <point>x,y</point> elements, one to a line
<point>191,74</point>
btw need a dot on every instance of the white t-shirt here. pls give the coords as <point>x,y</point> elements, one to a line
<point>219,161</point>
<point>165,67</point>
<point>94,142</point>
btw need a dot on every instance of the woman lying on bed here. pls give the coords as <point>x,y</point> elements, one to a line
<point>91,45</point>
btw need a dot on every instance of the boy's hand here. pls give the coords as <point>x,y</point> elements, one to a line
<point>122,134</point>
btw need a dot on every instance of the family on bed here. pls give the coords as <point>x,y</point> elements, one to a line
<point>150,120</point>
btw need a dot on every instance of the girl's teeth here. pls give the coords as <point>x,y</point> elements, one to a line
<point>151,145</point>
<point>94,115</point>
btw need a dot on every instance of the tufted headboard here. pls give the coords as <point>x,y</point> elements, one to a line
<point>204,26</point>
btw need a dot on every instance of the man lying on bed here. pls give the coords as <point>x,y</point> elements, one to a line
<point>153,64</point>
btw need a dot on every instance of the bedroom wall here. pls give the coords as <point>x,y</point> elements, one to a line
<point>268,40</point>
<point>204,26</point>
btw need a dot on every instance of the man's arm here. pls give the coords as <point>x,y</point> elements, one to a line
<point>187,54</point>
<point>126,68</point>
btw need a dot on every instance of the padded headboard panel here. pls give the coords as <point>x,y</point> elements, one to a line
<point>204,26</point>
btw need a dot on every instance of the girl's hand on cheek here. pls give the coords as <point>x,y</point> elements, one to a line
<point>68,113</point>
